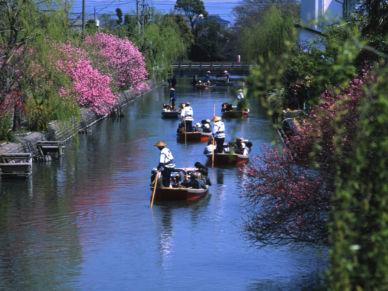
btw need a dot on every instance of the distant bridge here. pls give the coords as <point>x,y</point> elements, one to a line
<point>216,68</point>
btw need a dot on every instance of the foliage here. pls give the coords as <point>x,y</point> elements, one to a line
<point>358,231</point>
<point>119,55</point>
<point>91,87</point>
<point>268,35</point>
<point>38,116</point>
<point>250,12</point>
<point>208,41</point>
<point>284,202</point>
<point>192,9</point>
<point>376,12</point>
<point>5,124</point>
<point>277,100</point>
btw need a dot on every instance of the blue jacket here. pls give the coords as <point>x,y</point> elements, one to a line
<point>173,95</point>
<point>207,77</point>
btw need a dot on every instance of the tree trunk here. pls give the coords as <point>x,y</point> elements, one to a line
<point>17,118</point>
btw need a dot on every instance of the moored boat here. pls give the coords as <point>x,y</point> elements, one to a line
<point>235,114</point>
<point>202,86</point>
<point>166,193</point>
<point>171,114</point>
<point>228,158</point>
<point>194,136</point>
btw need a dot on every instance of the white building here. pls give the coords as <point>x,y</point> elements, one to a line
<point>314,11</point>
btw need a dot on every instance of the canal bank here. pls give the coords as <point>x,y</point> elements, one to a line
<point>64,132</point>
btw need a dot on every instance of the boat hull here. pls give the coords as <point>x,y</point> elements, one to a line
<point>228,159</point>
<point>195,136</point>
<point>165,193</point>
<point>235,114</point>
<point>171,114</point>
<point>202,86</point>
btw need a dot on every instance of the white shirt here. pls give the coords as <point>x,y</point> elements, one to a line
<point>240,95</point>
<point>166,157</point>
<point>219,129</point>
<point>187,113</point>
<point>208,149</point>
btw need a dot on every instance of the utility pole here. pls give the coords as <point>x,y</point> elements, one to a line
<point>143,18</point>
<point>138,16</point>
<point>83,15</point>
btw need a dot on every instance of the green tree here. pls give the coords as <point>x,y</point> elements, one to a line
<point>269,35</point>
<point>208,41</point>
<point>192,9</point>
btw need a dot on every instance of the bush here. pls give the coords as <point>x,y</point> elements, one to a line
<point>5,125</point>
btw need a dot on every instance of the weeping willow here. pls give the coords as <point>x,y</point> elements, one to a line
<point>268,36</point>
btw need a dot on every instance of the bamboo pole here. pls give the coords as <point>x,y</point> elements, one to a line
<point>213,137</point>
<point>185,132</point>
<point>156,183</point>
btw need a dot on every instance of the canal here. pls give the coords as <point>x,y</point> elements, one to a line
<point>84,222</point>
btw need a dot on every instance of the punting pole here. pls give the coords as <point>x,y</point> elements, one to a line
<point>213,137</point>
<point>185,132</point>
<point>156,183</point>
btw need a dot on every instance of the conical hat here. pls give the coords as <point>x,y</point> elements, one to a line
<point>172,89</point>
<point>216,118</point>
<point>239,90</point>
<point>182,106</point>
<point>160,144</point>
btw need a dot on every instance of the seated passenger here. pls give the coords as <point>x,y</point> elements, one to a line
<point>198,128</point>
<point>204,172</point>
<point>194,183</point>
<point>181,127</point>
<point>206,127</point>
<point>209,148</point>
<point>239,147</point>
<point>249,146</point>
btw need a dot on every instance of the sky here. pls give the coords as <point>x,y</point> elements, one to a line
<point>222,8</point>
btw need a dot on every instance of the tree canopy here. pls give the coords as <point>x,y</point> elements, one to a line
<point>192,9</point>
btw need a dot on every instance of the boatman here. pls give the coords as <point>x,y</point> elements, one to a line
<point>227,76</point>
<point>219,133</point>
<point>240,94</point>
<point>187,115</point>
<point>165,162</point>
<point>207,76</point>
<point>173,98</point>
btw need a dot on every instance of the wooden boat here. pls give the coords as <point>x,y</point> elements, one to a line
<point>235,114</point>
<point>194,136</point>
<point>166,193</point>
<point>171,114</point>
<point>228,158</point>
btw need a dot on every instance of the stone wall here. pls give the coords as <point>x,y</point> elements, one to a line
<point>64,132</point>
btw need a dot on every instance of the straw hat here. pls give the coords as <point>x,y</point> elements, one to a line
<point>172,89</point>
<point>225,71</point>
<point>208,71</point>
<point>182,106</point>
<point>199,81</point>
<point>239,90</point>
<point>160,144</point>
<point>216,118</point>
<point>187,103</point>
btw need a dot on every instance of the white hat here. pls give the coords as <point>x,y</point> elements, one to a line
<point>198,125</point>
<point>207,120</point>
<point>153,171</point>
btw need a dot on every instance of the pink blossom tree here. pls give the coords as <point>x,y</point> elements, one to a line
<point>91,87</point>
<point>120,56</point>
<point>285,200</point>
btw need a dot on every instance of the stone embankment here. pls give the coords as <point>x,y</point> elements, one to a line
<point>64,132</point>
